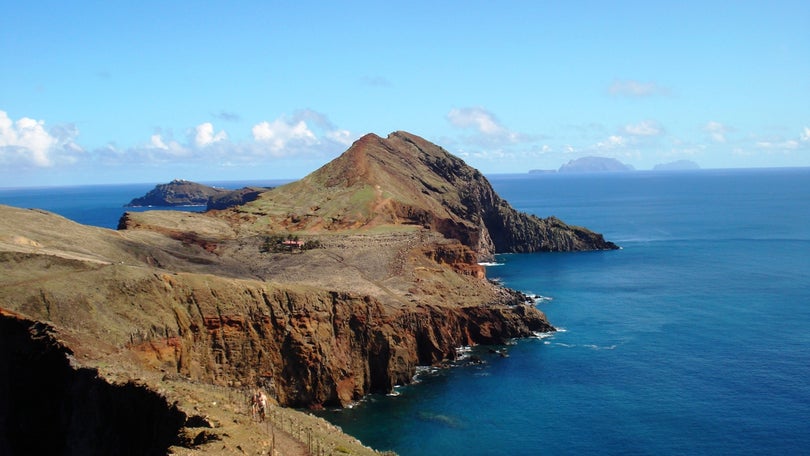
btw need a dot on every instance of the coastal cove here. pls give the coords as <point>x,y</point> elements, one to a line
<point>691,339</point>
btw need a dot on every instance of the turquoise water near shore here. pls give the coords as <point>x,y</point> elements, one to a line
<point>692,339</point>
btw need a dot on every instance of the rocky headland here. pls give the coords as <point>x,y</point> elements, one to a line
<point>319,292</point>
<point>178,192</point>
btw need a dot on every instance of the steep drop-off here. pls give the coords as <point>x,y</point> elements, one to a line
<point>51,407</point>
<point>309,346</point>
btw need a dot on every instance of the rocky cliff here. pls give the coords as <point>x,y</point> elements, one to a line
<point>233,198</point>
<point>389,281</point>
<point>50,407</point>
<point>310,346</point>
<point>177,193</point>
<point>318,327</point>
<point>406,180</point>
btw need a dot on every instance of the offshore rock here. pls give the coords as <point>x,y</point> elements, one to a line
<point>177,193</point>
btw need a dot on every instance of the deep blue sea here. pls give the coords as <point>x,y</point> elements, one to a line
<point>692,339</point>
<point>100,205</point>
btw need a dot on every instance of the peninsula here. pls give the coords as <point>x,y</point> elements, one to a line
<point>178,192</point>
<point>318,292</point>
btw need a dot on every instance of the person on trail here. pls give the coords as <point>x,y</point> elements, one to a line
<point>259,405</point>
<point>262,404</point>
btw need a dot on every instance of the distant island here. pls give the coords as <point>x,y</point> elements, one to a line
<point>542,171</point>
<point>605,164</point>
<point>679,165</point>
<point>181,192</point>
<point>594,165</point>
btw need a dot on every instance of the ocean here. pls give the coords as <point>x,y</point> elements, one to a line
<point>694,338</point>
<point>101,205</point>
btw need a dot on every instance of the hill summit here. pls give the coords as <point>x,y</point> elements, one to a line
<point>405,181</point>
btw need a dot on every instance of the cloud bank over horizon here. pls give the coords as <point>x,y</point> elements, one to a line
<point>29,144</point>
<point>482,139</point>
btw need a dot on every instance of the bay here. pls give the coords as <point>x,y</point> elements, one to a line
<point>692,339</point>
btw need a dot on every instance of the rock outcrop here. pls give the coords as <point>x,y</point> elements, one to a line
<point>310,346</point>
<point>177,193</point>
<point>233,198</point>
<point>406,180</point>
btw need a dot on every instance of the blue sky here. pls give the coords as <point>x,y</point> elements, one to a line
<point>118,92</point>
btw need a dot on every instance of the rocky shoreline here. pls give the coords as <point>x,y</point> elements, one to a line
<point>196,306</point>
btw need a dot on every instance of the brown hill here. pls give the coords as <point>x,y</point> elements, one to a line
<point>404,180</point>
<point>199,308</point>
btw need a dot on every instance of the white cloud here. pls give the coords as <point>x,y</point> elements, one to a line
<point>612,142</point>
<point>644,128</point>
<point>307,133</point>
<point>477,118</point>
<point>204,135</point>
<point>717,131</point>
<point>160,150</point>
<point>783,145</point>
<point>279,134</point>
<point>489,133</point>
<point>26,142</point>
<point>776,144</point>
<point>341,137</point>
<point>636,89</point>
<point>156,142</point>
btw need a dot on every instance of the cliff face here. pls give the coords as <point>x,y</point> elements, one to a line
<point>50,407</point>
<point>312,347</point>
<point>306,345</point>
<point>391,281</point>
<point>233,198</point>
